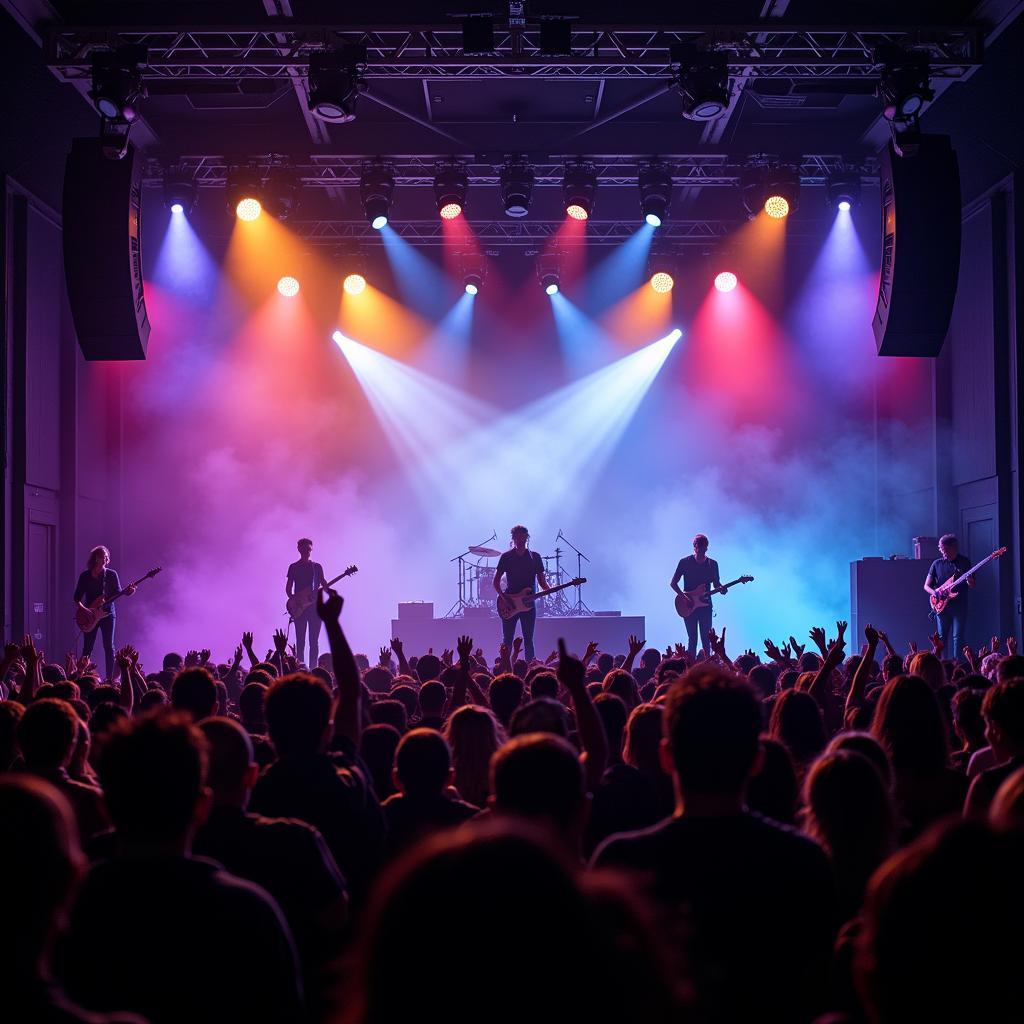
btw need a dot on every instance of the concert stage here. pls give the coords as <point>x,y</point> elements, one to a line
<point>610,631</point>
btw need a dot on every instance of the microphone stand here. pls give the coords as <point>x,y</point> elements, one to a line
<point>579,608</point>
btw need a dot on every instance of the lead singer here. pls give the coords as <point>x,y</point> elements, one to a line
<point>522,568</point>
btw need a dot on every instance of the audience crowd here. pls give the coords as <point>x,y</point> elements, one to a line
<point>811,834</point>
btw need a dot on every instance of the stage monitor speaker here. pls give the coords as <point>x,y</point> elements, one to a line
<point>103,252</point>
<point>920,248</point>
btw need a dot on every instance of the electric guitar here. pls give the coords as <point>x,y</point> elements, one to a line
<point>299,602</point>
<point>690,600</point>
<point>945,593</point>
<point>510,604</point>
<point>88,617</point>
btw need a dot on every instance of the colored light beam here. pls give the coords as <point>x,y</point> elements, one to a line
<point>758,258</point>
<point>423,285</point>
<point>380,321</point>
<point>620,272</point>
<point>639,315</point>
<point>585,345</point>
<point>184,268</point>
<point>446,350</point>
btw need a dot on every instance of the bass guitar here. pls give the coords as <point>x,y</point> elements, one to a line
<point>945,593</point>
<point>299,602</point>
<point>88,617</point>
<point>510,604</point>
<point>690,600</point>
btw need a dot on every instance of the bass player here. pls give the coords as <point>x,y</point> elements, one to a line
<point>698,570</point>
<point>951,622</point>
<point>98,580</point>
<point>306,577</point>
<point>522,568</point>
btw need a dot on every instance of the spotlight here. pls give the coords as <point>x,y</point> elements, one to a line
<point>474,270</point>
<point>516,188</point>
<point>281,195</point>
<point>376,187</point>
<point>335,82</point>
<point>179,192</point>
<point>903,86</point>
<point>782,191</point>
<point>703,82</point>
<point>244,193</point>
<point>655,193</point>
<point>354,284</point>
<point>450,184</point>
<point>842,190</point>
<point>549,271</point>
<point>662,282</point>
<point>660,267</point>
<point>114,137</point>
<point>288,287</point>
<point>117,86</point>
<point>725,281</point>
<point>579,184</point>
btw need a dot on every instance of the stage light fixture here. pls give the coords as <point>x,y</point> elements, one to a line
<point>335,82</point>
<point>655,193</point>
<point>376,187</point>
<point>474,270</point>
<point>450,185</point>
<point>288,287</point>
<point>725,281</point>
<point>661,272</point>
<point>354,284</point>
<point>842,190</point>
<point>244,193</point>
<point>281,194</point>
<point>549,272</point>
<point>516,187</point>
<point>782,191</point>
<point>903,85</point>
<point>117,86</point>
<point>579,185</point>
<point>179,192</point>
<point>702,80</point>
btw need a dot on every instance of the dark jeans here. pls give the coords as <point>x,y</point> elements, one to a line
<point>106,627</point>
<point>700,621</point>
<point>309,619</point>
<point>952,628</point>
<point>527,620</point>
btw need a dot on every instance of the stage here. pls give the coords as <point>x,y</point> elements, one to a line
<point>611,632</point>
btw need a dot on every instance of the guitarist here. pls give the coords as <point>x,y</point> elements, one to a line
<point>522,568</point>
<point>695,570</point>
<point>951,622</point>
<point>99,581</point>
<point>305,575</point>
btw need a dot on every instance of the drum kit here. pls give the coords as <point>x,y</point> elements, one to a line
<point>476,582</point>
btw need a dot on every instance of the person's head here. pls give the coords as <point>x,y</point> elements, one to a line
<point>700,545</point>
<point>423,763</point>
<point>892,666</point>
<point>712,730</point>
<point>99,558</point>
<point>10,715</point>
<point>173,661</point>
<point>378,679</point>
<point>153,773</point>
<point>762,678</point>
<point>305,547</point>
<point>46,734</point>
<point>505,694</point>
<point>949,546</point>
<point>773,790</point>
<point>520,537</point>
<point>390,712</point>
<point>298,711</point>
<point>623,685</point>
<point>941,938</point>
<point>651,658</point>
<point>377,746</point>
<point>612,711</point>
<point>428,667</point>
<point>432,699</point>
<point>929,668</point>
<point>1010,667</point>
<point>968,723</point>
<point>868,747</point>
<point>41,863</point>
<point>1002,709</point>
<point>195,692</point>
<point>409,698</point>
<point>151,700</point>
<point>250,707</point>
<point>1007,807</point>
<point>540,715</point>
<point>909,724</point>
<point>104,717</point>
<point>796,721</point>
<point>474,734</point>
<point>605,663</point>
<point>231,771</point>
<point>544,684</point>
<point>642,741</point>
<point>539,776</point>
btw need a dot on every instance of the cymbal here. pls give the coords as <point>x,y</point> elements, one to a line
<point>485,552</point>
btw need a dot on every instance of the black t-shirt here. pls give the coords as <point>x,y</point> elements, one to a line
<point>943,569</point>
<point>761,904</point>
<point>306,575</point>
<point>695,573</point>
<point>520,570</point>
<point>412,818</point>
<point>90,587</point>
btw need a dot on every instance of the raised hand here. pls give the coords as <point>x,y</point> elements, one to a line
<point>464,647</point>
<point>772,650</point>
<point>446,656</point>
<point>871,635</point>
<point>968,654</point>
<point>551,658</point>
<point>994,645</point>
<point>385,656</point>
<point>292,651</point>
<point>635,645</point>
<point>787,652</point>
<point>591,650</point>
<point>798,649</point>
<point>937,645</point>
<point>913,646</point>
<point>238,655</point>
<point>280,641</point>
<point>982,653</point>
<point>204,655</point>
<point>1011,645</point>
<point>29,654</point>
<point>328,606</point>
<point>571,671</point>
<point>247,641</point>
<point>396,646</point>
<point>517,646</point>
<point>124,659</point>
<point>718,642</point>
<point>678,650</point>
<point>841,631</point>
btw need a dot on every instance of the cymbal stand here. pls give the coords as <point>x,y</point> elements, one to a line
<point>580,607</point>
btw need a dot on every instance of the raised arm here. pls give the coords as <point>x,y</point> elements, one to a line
<point>636,645</point>
<point>819,688</point>
<point>399,652</point>
<point>347,717</point>
<point>33,660</point>
<point>572,675</point>
<point>127,693</point>
<point>860,677</point>
<point>462,677</point>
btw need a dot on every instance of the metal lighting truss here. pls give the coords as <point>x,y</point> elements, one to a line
<point>281,50</point>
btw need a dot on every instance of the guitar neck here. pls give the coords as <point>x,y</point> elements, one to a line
<point>552,590</point>
<point>970,572</point>
<point>725,586</point>
<point>340,576</point>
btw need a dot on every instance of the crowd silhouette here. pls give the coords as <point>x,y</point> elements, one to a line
<point>814,833</point>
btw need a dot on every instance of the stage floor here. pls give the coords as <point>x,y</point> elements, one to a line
<point>611,632</point>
